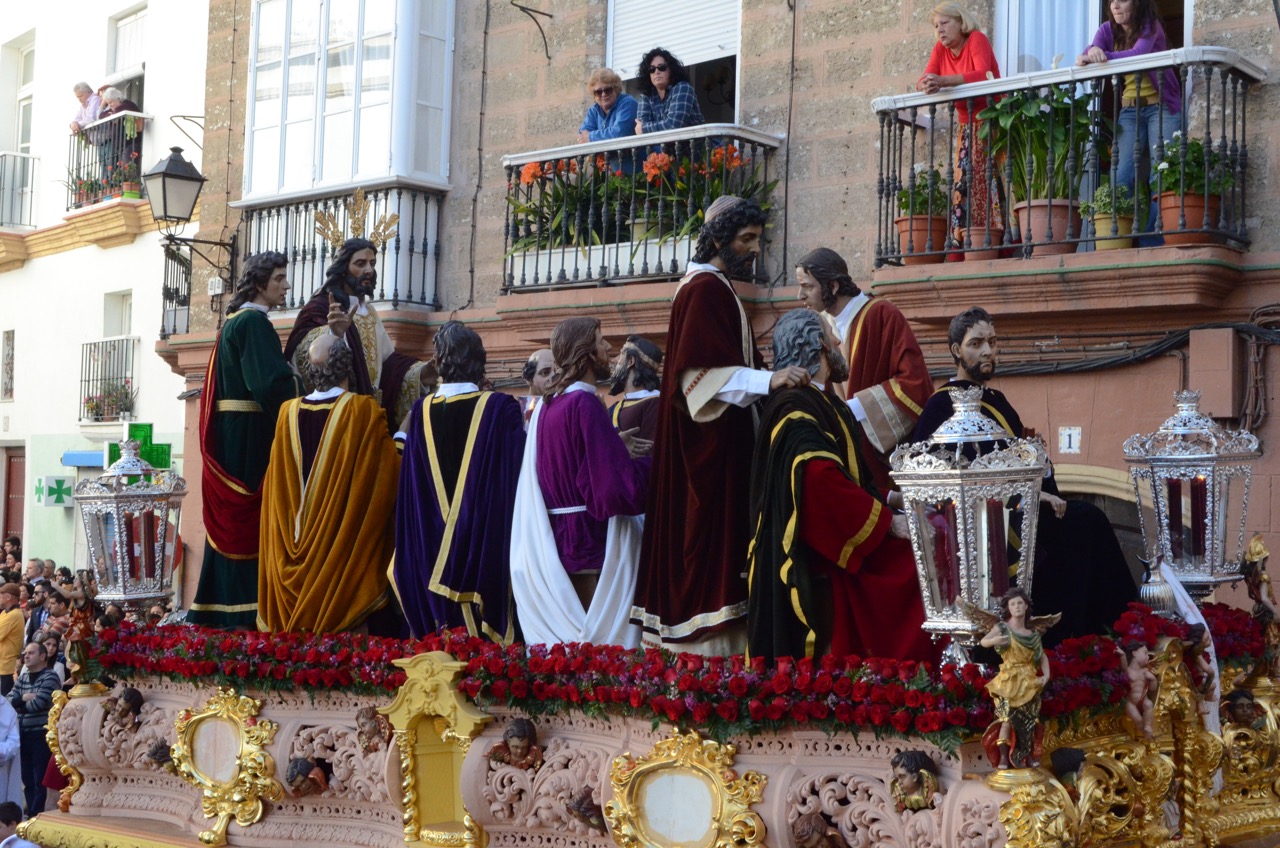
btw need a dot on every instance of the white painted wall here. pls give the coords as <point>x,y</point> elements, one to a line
<point>56,303</point>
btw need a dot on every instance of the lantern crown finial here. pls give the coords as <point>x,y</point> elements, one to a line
<point>967,424</point>
<point>1190,433</point>
<point>130,463</point>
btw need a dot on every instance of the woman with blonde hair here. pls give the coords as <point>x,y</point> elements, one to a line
<point>613,112</point>
<point>961,55</point>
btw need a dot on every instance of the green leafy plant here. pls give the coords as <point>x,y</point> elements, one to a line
<point>667,188</point>
<point>112,398</point>
<point>1119,203</point>
<point>1039,129</point>
<point>925,194</point>
<point>1189,168</point>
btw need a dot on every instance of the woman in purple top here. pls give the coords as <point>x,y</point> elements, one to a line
<point>1150,103</point>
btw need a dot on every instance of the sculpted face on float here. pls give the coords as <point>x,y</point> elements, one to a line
<point>978,353</point>
<point>273,294</point>
<point>363,271</point>
<point>810,290</point>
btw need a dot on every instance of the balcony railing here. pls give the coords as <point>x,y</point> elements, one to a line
<point>105,160</point>
<point>407,263</point>
<point>627,209</point>
<point>957,169</point>
<point>17,180</point>
<point>176,294</point>
<point>107,390</point>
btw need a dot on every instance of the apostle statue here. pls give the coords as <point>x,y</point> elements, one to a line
<point>636,376</point>
<point>341,308</point>
<point>691,594</point>
<point>831,568</point>
<point>329,496</point>
<point>246,382</point>
<point>575,538</point>
<point>457,494</point>
<point>538,372</point>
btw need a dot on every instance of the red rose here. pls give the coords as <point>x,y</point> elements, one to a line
<point>755,709</point>
<point>780,683</point>
<point>776,709</point>
<point>956,716</point>
<point>912,698</point>
<point>845,714</point>
<point>519,689</point>
<point>822,684</point>
<point>499,689</point>
<point>701,712</point>
<point>738,686</point>
<point>727,710</point>
<point>879,715</point>
<point>901,721</point>
<point>819,710</point>
<point>674,708</point>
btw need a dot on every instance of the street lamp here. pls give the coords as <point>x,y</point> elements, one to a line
<point>173,187</point>
<point>1196,474</point>
<point>957,487</point>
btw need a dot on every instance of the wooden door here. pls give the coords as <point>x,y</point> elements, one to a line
<point>15,490</point>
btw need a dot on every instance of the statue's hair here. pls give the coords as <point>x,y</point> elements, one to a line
<point>644,358</point>
<point>720,229</point>
<point>966,321</point>
<point>336,369</point>
<point>914,760</point>
<point>799,339</point>
<point>520,728</point>
<point>828,267</point>
<point>460,354</point>
<point>258,269</point>
<point>1011,593</point>
<point>573,343</point>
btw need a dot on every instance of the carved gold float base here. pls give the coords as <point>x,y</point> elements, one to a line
<point>56,830</point>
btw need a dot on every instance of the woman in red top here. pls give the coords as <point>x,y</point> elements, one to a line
<point>963,54</point>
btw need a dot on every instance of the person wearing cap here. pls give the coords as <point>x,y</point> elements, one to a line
<point>691,594</point>
<point>11,626</point>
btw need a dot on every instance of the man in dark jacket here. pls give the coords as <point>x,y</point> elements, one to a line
<point>31,698</point>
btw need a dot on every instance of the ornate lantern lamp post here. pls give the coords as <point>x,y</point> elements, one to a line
<point>957,487</point>
<point>1196,475</point>
<point>127,512</point>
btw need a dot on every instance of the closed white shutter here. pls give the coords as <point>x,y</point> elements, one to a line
<point>691,30</point>
<point>127,51</point>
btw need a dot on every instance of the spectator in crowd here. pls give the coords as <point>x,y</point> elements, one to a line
<point>667,100</point>
<point>39,612</point>
<point>10,770</point>
<point>11,624</point>
<point>10,817</point>
<point>56,658</point>
<point>31,698</point>
<point>47,569</point>
<point>59,618</point>
<point>34,570</point>
<point>123,139</point>
<point>62,575</point>
<point>613,112</point>
<point>90,106</point>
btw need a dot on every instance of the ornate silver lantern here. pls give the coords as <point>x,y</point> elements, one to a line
<point>957,488</point>
<point>129,514</point>
<point>1196,476</point>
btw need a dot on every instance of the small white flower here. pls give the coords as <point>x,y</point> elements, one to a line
<point>920,168</point>
<point>1163,166</point>
<point>1177,133</point>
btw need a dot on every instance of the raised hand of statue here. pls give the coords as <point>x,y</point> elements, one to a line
<point>791,376</point>
<point>1057,504</point>
<point>339,318</point>
<point>636,446</point>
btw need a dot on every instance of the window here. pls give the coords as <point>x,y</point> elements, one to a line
<point>325,76</point>
<point>125,50</point>
<point>707,42</point>
<point>117,314</point>
<point>6,366</point>
<point>1030,34</point>
<point>17,162</point>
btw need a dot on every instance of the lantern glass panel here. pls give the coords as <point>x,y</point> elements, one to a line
<point>941,551</point>
<point>992,543</point>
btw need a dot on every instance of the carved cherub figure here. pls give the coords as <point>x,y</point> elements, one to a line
<point>586,810</point>
<point>373,731</point>
<point>126,708</point>
<point>519,746</point>
<point>1240,708</point>
<point>1066,765</point>
<point>307,777</point>
<point>161,754</point>
<point>811,830</point>
<point>1204,671</point>
<point>915,780</point>
<point>1014,738</point>
<point>1140,704</point>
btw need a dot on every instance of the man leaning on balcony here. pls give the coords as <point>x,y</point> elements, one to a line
<point>341,307</point>
<point>90,106</point>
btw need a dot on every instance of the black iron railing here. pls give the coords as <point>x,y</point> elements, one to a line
<point>104,160</point>
<point>107,390</point>
<point>626,209</point>
<point>1039,163</point>
<point>17,181</point>
<point>176,293</point>
<point>408,262</point>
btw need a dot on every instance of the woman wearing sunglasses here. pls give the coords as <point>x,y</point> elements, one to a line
<point>613,111</point>
<point>667,101</point>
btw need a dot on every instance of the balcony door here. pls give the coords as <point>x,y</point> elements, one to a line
<point>15,490</point>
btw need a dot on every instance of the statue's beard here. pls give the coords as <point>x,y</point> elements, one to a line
<point>839,366</point>
<point>975,371</point>
<point>737,265</point>
<point>618,379</point>
<point>365,286</point>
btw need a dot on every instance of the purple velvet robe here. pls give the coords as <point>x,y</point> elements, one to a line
<point>470,586</point>
<point>582,462</point>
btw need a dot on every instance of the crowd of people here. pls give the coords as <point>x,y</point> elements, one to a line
<point>717,506</point>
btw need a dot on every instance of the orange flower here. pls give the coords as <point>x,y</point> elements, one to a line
<point>529,173</point>
<point>726,157</point>
<point>656,165</point>
<point>601,163</point>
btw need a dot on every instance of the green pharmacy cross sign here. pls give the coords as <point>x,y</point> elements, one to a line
<point>159,456</point>
<point>55,491</point>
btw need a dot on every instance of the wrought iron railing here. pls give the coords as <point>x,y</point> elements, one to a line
<point>107,390</point>
<point>626,209</point>
<point>105,160</point>
<point>1007,167</point>
<point>17,182</point>
<point>408,262</point>
<point>176,294</point>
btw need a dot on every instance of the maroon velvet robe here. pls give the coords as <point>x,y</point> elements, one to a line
<point>694,555</point>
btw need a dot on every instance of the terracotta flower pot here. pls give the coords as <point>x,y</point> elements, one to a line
<point>979,238</point>
<point>1171,210</point>
<point>1034,218</point>
<point>1102,227</point>
<point>920,233</point>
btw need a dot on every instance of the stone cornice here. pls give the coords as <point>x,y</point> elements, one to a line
<point>109,224</point>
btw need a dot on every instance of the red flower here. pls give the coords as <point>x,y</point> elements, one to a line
<point>727,710</point>
<point>901,721</point>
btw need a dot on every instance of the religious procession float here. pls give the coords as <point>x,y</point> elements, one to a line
<point>1166,733</point>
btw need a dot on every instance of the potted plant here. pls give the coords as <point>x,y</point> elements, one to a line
<point>1044,132</point>
<point>1190,181</point>
<point>128,172</point>
<point>923,210</point>
<point>1112,214</point>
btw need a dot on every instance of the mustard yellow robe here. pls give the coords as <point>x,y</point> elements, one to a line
<point>326,544</point>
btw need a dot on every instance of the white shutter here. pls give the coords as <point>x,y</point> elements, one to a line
<point>692,32</point>
<point>127,51</point>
